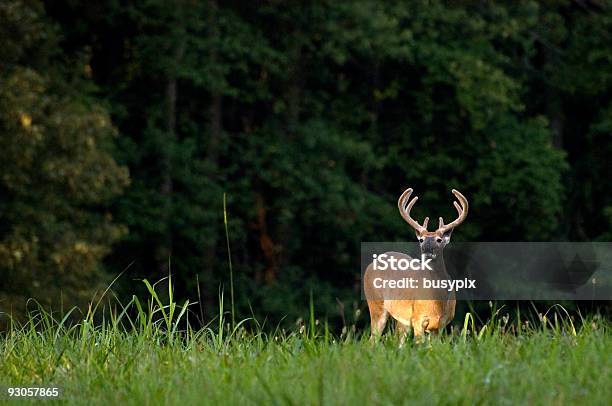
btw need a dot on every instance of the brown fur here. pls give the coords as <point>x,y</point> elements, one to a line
<point>411,311</point>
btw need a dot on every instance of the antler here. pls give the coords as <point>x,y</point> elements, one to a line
<point>405,211</point>
<point>461,210</point>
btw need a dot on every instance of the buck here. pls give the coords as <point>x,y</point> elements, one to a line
<point>412,311</point>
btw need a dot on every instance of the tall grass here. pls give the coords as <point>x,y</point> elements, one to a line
<point>147,352</point>
<point>229,259</point>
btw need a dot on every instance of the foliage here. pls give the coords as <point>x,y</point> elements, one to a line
<point>312,119</point>
<point>57,171</point>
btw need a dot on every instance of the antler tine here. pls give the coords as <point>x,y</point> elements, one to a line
<point>405,210</point>
<point>401,202</point>
<point>440,222</point>
<point>459,209</point>
<point>462,210</point>
<point>462,199</point>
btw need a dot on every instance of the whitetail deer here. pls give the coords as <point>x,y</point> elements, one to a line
<point>421,315</point>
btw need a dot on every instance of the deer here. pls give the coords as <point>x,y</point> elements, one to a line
<point>430,315</point>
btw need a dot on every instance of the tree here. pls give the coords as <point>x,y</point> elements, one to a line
<point>58,176</point>
<point>313,118</point>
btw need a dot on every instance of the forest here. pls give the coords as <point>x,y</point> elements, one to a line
<point>253,146</point>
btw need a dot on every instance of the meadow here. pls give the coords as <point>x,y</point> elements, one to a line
<point>145,352</point>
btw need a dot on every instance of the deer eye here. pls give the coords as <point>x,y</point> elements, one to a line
<point>420,240</point>
<point>439,239</point>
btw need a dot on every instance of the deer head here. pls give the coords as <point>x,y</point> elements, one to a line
<point>432,242</point>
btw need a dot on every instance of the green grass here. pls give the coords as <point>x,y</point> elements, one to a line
<point>153,357</point>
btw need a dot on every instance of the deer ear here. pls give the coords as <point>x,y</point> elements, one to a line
<point>447,235</point>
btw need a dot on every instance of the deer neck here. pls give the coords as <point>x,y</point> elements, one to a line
<point>438,267</point>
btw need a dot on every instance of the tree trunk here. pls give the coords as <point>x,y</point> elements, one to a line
<point>167,186</point>
<point>215,111</point>
<point>215,131</point>
<point>281,233</point>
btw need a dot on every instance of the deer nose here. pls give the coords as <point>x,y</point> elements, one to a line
<point>429,255</point>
